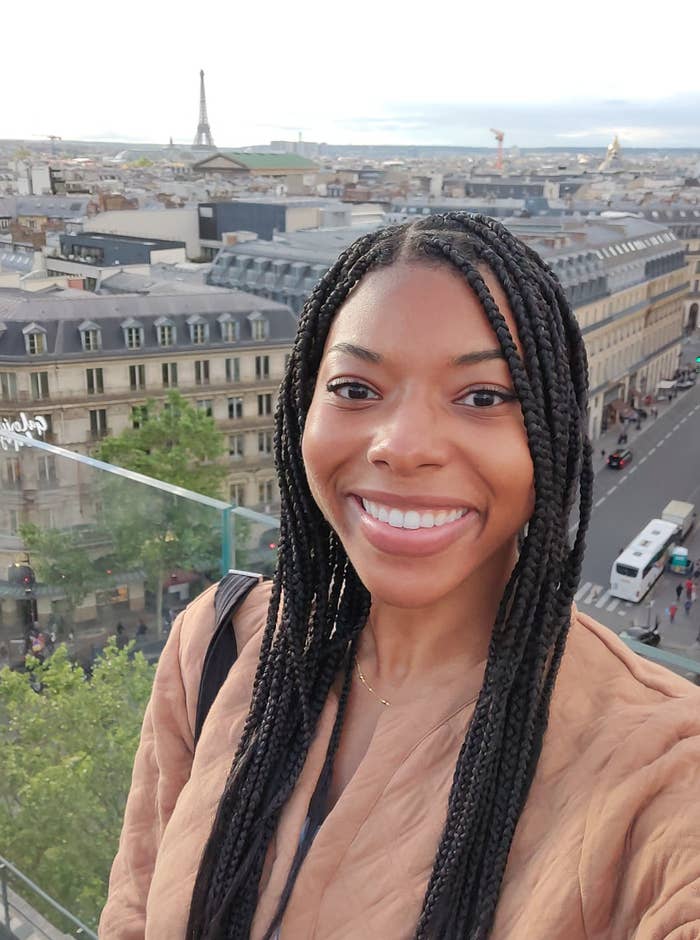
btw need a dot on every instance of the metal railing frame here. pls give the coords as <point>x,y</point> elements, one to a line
<point>81,930</point>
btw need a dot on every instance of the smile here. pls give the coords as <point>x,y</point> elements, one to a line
<point>412,518</point>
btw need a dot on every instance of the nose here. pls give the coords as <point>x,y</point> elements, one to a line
<point>410,437</point>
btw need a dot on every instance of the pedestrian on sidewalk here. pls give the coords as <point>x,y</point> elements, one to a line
<point>672,611</point>
<point>602,453</point>
<point>687,604</point>
<point>679,591</point>
<point>689,588</point>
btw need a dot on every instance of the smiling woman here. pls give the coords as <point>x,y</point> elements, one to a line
<point>421,736</point>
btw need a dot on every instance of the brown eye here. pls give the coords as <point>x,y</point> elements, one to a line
<point>486,397</point>
<point>352,391</point>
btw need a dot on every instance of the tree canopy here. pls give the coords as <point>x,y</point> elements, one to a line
<point>66,754</point>
<point>175,442</point>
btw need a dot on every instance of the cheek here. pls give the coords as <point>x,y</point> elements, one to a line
<point>320,455</point>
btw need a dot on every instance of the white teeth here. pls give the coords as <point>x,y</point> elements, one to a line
<point>412,518</point>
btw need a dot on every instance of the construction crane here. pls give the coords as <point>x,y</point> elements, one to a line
<point>499,135</point>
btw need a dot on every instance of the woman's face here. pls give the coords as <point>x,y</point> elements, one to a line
<point>414,445</point>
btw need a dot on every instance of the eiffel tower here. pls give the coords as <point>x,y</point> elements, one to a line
<point>203,136</point>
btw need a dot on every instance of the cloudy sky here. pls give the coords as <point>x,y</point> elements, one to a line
<point>548,74</point>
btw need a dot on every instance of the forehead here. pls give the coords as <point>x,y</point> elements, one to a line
<point>418,305</point>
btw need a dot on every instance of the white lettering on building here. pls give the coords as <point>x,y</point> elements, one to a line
<point>23,425</point>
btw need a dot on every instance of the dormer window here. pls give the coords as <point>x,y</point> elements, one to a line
<point>230,328</point>
<point>133,333</point>
<point>90,336</point>
<point>166,331</point>
<point>199,330</point>
<point>35,339</point>
<point>260,326</point>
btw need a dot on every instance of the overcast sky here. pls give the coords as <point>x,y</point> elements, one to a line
<point>548,74</point>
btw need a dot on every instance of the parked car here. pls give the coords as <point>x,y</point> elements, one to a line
<point>685,383</point>
<point>619,459</point>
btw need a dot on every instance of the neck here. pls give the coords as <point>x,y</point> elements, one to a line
<point>401,646</point>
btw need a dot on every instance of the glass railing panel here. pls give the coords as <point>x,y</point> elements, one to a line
<point>88,550</point>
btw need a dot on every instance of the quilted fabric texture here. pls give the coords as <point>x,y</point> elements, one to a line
<point>607,848</point>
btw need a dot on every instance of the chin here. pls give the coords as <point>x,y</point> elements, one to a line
<point>409,590</point>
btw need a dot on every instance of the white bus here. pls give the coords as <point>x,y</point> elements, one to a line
<point>643,561</point>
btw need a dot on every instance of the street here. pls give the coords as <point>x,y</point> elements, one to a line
<point>666,466</point>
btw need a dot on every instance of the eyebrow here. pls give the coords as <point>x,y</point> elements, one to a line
<point>466,359</point>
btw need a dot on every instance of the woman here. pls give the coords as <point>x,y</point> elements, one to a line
<point>407,745</point>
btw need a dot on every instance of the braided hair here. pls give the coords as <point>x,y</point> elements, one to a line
<point>319,606</point>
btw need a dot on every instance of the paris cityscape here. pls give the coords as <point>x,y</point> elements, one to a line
<point>144,282</point>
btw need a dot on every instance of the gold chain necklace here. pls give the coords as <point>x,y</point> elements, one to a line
<point>366,684</point>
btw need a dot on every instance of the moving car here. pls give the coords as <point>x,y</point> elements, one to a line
<point>619,458</point>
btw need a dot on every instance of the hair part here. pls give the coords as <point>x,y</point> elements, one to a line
<point>319,606</point>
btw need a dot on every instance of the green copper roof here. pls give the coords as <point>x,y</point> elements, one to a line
<point>270,161</point>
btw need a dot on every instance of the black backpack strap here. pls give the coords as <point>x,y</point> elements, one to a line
<point>222,652</point>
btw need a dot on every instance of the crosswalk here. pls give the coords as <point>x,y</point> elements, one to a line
<point>596,595</point>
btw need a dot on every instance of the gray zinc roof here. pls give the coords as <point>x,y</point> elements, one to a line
<point>61,318</point>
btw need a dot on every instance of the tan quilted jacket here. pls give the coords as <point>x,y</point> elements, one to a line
<point>607,848</point>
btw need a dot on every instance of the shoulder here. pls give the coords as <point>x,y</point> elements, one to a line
<point>617,707</point>
<point>196,629</point>
<point>634,737</point>
<point>600,663</point>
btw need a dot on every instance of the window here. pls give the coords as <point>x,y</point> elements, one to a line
<point>235,407</point>
<point>201,372</point>
<point>8,385</point>
<point>237,494</point>
<point>47,519</point>
<point>236,446</point>
<point>46,469</point>
<point>40,384</point>
<point>165,335</point>
<point>139,416</point>
<point>137,378</point>
<point>262,367</point>
<point>265,404</point>
<point>36,344</point>
<point>169,375</point>
<point>91,339</point>
<point>98,423</point>
<point>265,491</point>
<point>260,329</point>
<point>133,337</point>
<point>95,383</point>
<point>229,330</point>
<point>14,521</point>
<point>206,405</point>
<point>13,472</point>
<point>199,329</point>
<point>265,442</point>
<point>233,370</point>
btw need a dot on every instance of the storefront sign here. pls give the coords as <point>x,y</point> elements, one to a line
<point>23,425</point>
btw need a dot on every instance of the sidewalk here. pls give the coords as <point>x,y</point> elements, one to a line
<point>608,441</point>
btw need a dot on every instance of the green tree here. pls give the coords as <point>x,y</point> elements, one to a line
<point>66,755</point>
<point>61,561</point>
<point>175,442</point>
<point>159,531</point>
